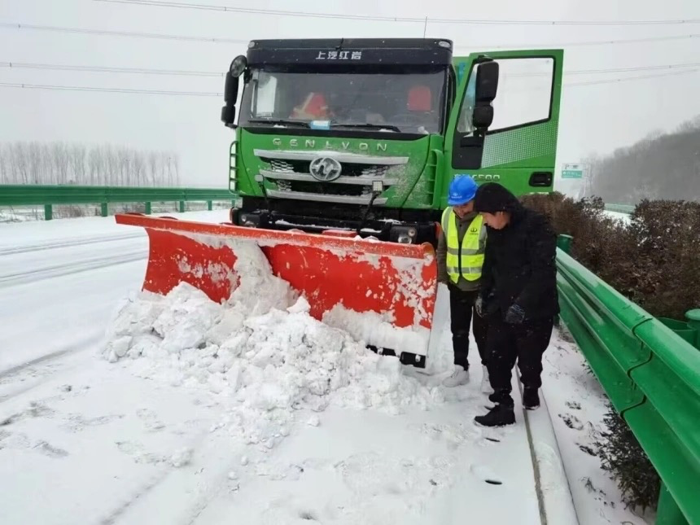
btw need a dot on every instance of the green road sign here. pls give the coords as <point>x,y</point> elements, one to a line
<point>572,171</point>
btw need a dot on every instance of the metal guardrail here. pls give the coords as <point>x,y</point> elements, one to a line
<point>620,208</point>
<point>27,195</point>
<point>650,373</point>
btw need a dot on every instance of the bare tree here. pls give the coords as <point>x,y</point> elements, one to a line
<point>152,167</point>
<point>4,166</point>
<point>96,166</point>
<point>21,161</point>
<point>138,169</point>
<point>77,154</point>
<point>60,163</point>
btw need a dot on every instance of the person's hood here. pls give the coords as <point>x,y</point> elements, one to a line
<point>492,197</point>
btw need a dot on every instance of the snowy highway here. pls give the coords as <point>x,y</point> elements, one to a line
<point>60,280</point>
<point>205,424</point>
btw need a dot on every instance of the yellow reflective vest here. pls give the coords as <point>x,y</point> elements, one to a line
<point>468,259</point>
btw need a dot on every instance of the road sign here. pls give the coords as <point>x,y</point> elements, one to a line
<point>572,171</point>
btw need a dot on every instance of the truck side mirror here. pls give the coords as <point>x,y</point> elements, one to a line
<point>485,92</point>
<point>228,112</point>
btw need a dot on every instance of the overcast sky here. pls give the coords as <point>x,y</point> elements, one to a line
<point>595,118</point>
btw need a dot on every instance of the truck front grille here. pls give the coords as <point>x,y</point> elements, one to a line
<point>290,171</point>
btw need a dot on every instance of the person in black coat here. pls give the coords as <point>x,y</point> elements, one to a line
<point>518,296</point>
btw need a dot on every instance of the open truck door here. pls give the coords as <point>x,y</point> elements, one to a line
<point>516,143</point>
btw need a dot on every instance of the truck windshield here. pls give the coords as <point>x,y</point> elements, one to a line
<point>410,102</point>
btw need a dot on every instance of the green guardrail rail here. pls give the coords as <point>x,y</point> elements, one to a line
<point>48,196</point>
<point>650,370</point>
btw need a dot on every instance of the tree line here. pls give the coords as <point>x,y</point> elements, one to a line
<point>662,166</point>
<point>100,165</point>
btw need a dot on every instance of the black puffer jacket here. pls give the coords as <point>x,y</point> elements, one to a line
<point>519,266</point>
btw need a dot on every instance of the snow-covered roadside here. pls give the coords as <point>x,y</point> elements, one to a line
<point>254,413</point>
<point>286,381</point>
<point>577,407</point>
<point>59,281</point>
<point>624,218</point>
<point>63,232</point>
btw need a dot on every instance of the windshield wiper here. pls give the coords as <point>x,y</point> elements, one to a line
<point>369,126</point>
<point>281,122</point>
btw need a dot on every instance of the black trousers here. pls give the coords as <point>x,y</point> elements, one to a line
<point>462,313</point>
<point>525,342</point>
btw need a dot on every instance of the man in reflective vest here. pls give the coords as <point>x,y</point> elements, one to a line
<point>460,254</point>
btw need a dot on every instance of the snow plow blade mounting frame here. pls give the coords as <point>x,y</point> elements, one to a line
<point>381,293</point>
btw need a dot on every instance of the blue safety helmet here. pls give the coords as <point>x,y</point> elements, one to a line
<point>462,190</point>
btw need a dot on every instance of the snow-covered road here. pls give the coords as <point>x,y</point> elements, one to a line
<point>60,280</point>
<point>195,440</point>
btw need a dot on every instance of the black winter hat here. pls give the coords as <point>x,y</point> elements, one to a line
<point>492,197</point>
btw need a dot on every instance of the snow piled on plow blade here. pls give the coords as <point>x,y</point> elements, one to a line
<point>260,351</point>
<point>382,294</point>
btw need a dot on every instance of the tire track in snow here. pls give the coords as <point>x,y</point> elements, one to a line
<point>69,243</point>
<point>35,372</point>
<point>68,268</point>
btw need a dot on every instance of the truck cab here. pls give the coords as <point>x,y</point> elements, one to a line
<point>364,135</point>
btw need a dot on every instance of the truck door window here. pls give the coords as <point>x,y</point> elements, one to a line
<point>524,94</point>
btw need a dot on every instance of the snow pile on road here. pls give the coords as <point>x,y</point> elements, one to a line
<point>262,354</point>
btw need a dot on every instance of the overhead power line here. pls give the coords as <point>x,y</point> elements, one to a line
<point>112,90</point>
<point>212,94</point>
<point>629,79</point>
<point>584,43</point>
<point>129,34</point>
<point>421,20</point>
<point>275,12</point>
<point>103,69</point>
<point>217,40</point>
<point>631,69</point>
<point>146,71</point>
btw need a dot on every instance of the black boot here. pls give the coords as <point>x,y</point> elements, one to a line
<point>531,400</point>
<point>498,416</point>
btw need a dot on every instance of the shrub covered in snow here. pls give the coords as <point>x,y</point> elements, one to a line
<point>653,260</point>
<point>622,456</point>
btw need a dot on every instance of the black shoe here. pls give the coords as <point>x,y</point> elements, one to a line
<point>498,416</point>
<point>531,400</point>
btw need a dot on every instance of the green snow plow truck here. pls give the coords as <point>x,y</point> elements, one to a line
<point>366,134</point>
<point>343,154</point>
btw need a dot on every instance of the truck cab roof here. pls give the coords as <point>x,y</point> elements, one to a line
<point>351,51</point>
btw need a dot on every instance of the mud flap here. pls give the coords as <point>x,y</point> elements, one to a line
<point>381,293</point>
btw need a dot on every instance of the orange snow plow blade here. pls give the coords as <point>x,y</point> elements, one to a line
<point>381,293</point>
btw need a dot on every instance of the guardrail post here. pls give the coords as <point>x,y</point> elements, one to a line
<point>564,242</point>
<point>105,209</point>
<point>48,212</point>
<point>693,317</point>
<point>148,208</point>
<point>667,512</point>
<point>209,205</point>
<point>182,207</point>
